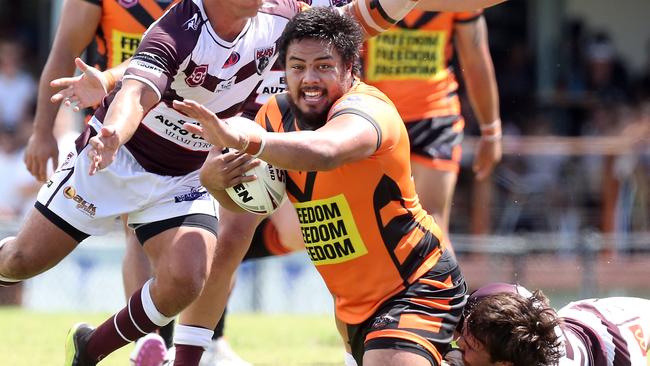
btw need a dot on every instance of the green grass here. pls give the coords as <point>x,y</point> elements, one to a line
<point>30,338</point>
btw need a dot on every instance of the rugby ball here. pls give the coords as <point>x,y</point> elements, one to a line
<point>265,194</point>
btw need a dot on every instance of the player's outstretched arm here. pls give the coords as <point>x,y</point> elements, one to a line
<point>72,37</point>
<point>343,139</point>
<point>82,91</point>
<point>478,72</point>
<point>124,115</point>
<point>376,16</point>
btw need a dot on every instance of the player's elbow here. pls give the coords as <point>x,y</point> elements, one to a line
<point>326,157</point>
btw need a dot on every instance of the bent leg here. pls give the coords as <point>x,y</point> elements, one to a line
<point>38,246</point>
<point>235,233</point>
<point>136,268</point>
<point>181,258</point>
<point>436,190</point>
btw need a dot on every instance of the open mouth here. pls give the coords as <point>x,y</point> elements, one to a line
<point>312,95</point>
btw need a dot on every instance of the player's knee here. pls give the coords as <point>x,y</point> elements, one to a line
<point>18,265</point>
<point>185,283</point>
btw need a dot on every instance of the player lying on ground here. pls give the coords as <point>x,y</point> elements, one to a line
<point>506,325</point>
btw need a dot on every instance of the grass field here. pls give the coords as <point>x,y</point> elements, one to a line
<point>30,338</point>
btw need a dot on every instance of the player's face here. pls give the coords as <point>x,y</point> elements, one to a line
<point>316,78</point>
<point>474,352</point>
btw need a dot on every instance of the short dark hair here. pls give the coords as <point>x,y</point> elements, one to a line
<point>514,328</point>
<point>328,25</point>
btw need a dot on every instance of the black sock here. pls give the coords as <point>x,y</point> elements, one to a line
<point>218,330</point>
<point>167,333</point>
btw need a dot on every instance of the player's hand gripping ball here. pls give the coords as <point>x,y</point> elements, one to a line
<point>265,194</point>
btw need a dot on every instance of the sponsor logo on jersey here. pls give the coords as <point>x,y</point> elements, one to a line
<point>225,84</point>
<point>82,205</point>
<point>173,130</point>
<point>263,58</point>
<point>329,231</point>
<point>124,45</point>
<point>231,61</point>
<point>68,160</point>
<point>402,55</point>
<point>198,76</point>
<point>194,194</point>
<point>127,3</point>
<point>382,321</point>
<point>637,330</point>
<point>146,62</point>
<point>192,23</point>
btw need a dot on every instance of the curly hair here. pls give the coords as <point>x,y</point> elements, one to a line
<point>516,329</point>
<point>329,26</point>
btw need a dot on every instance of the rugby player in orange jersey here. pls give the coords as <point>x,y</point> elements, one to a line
<point>418,78</point>
<point>398,290</point>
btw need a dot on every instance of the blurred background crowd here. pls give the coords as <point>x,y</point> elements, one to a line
<point>574,85</point>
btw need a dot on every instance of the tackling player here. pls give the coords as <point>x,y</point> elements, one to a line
<point>135,140</point>
<point>396,287</point>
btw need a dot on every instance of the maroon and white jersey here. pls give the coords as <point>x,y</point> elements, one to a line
<point>274,82</point>
<point>612,331</point>
<point>181,57</point>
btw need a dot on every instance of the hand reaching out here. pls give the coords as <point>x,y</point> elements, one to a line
<point>83,91</point>
<point>216,131</point>
<point>103,149</point>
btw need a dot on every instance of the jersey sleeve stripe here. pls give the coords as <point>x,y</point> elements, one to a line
<point>369,24</point>
<point>364,116</point>
<point>468,20</point>
<point>149,83</point>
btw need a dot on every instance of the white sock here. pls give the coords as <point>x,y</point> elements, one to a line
<point>192,336</point>
<point>7,280</point>
<point>150,308</point>
<point>349,360</point>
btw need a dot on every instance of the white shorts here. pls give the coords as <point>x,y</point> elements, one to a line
<point>90,204</point>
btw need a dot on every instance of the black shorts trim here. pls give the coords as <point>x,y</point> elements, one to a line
<point>147,231</point>
<point>76,234</point>
<point>435,138</point>
<point>401,345</point>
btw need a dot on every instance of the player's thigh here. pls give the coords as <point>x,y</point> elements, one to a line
<point>435,158</point>
<point>182,252</point>
<point>236,230</point>
<point>435,188</point>
<point>393,357</point>
<point>40,244</point>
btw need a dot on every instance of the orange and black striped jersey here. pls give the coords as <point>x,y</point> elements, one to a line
<point>410,64</point>
<point>362,222</point>
<point>121,27</point>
